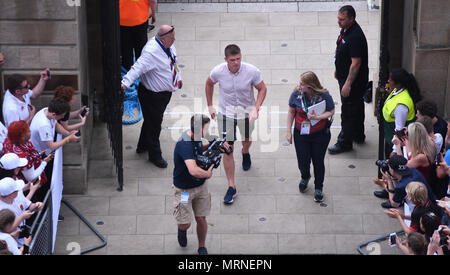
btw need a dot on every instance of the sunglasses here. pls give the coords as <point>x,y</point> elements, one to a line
<point>171,30</point>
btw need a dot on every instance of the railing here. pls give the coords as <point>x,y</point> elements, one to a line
<point>42,229</point>
<point>113,95</point>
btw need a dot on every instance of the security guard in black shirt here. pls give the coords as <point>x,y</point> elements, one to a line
<point>352,73</point>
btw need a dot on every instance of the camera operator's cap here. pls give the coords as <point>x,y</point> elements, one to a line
<point>399,165</point>
<point>12,161</point>
<point>9,185</point>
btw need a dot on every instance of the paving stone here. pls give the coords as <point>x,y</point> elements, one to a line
<point>111,225</point>
<point>269,33</point>
<point>195,19</point>
<point>348,243</point>
<point>249,244</point>
<point>306,244</point>
<point>90,205</point>
<point>135,244</point>
<point>244,19</point>
<point>250,204</point>
<point>142,205</point>
<point>277,223</point>
<point>356,205</point>
<point>380,224</point>
<point>157,224</point>
<point>155,186</point>
<point>108,187</point>
<point>222,33</point>
<point>293,19</point>
<point>303,204</point>
<point>334,224</point>
<point>228,224</point>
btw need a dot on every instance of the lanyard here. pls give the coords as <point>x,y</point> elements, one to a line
<point>305,107</point>
<point>167,51</point>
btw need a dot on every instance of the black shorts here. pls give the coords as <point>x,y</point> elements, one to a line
<point>227,127</point>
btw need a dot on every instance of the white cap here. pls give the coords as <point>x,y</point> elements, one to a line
<point>11,161</point>
<point>9,186</point>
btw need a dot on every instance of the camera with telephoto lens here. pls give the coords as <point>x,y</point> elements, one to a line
<point>212,155</point>
<point>26,231</point>
<point>384,166</point>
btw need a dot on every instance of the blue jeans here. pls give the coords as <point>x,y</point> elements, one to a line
<point>313,148</point>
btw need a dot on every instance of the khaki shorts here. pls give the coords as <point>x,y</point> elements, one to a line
<point>199,204</point>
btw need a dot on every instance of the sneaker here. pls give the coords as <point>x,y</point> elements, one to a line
<point>202,251</point>
<point>318,195</point>
<point>303,185</point>
<point>231,194</point>
<point>182,237</point>
<point>246,161</point>
<point>338,148</point>
<point>383,194</point>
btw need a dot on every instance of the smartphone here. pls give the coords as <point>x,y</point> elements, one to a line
<point>49,75</point>
<point>83,113</point>
<point>37,180</point>
<point>392,237</point>
<point>78,134</point>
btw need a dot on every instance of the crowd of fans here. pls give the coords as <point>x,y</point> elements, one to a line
<point>416,171</point>
<point>27,144</point>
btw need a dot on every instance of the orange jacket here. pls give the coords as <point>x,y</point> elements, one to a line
<point>133,12</point>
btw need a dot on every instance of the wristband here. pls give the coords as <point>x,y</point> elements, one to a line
<point>26,249</point>
<point>67,140</point>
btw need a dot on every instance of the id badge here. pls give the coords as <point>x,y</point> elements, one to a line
<point>306,126</point>
<point>184,197</point>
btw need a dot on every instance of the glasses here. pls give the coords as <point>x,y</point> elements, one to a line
<point>171,30</point>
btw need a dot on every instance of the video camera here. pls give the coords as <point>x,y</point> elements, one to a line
<point>212,155</point>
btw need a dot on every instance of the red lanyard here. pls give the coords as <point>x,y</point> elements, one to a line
<point>339,41</point>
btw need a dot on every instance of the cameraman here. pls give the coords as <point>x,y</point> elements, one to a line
<point>398,177</point>
<point>191,192</point>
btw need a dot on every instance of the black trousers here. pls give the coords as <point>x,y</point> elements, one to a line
<point>132,39</point>
<point>352,116</point>
<point>313,148</point>
<point>153,106</point>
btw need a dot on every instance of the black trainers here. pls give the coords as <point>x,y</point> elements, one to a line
<point>318,195</point>
<point>383,194</point>
<point>202,251</point>
<point>161,163</point>
<point>182,237</point>
<point>303,185</point>
<point>246,161</point>
<point>338,148</point>
<point>230,196</point>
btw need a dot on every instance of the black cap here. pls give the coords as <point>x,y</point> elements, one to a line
<point>398,164</point>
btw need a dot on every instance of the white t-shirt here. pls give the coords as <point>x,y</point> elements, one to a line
<point>236,94</point>
<point>11,243</point>
<point>3,134</point>
<point>15,109</point>
<point>42,130</point>
<point>19,205</point>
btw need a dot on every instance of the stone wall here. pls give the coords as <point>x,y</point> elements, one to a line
<point>426,49</point>
<point>50,34</point>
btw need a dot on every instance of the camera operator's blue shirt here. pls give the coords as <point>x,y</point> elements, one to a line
<point>185,149</point>
<point>400,189</point>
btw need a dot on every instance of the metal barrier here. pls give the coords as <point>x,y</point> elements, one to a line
<point>42,229</point>
<point>373,249</point>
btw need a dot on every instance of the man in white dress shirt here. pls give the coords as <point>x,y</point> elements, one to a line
<point>159,77</point>
<point>17,100</point>
<point>237,107</point>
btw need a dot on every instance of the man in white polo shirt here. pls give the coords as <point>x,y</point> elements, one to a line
<point>237,106</point>
<point>159,77</point>
<point>17,100</point>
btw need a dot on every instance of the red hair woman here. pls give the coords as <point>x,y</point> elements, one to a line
<point>18,142</point>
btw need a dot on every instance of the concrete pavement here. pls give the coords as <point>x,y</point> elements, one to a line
<point>269,216</point>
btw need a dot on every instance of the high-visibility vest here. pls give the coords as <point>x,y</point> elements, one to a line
<point>393,100</point>
<point>133,12</point>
